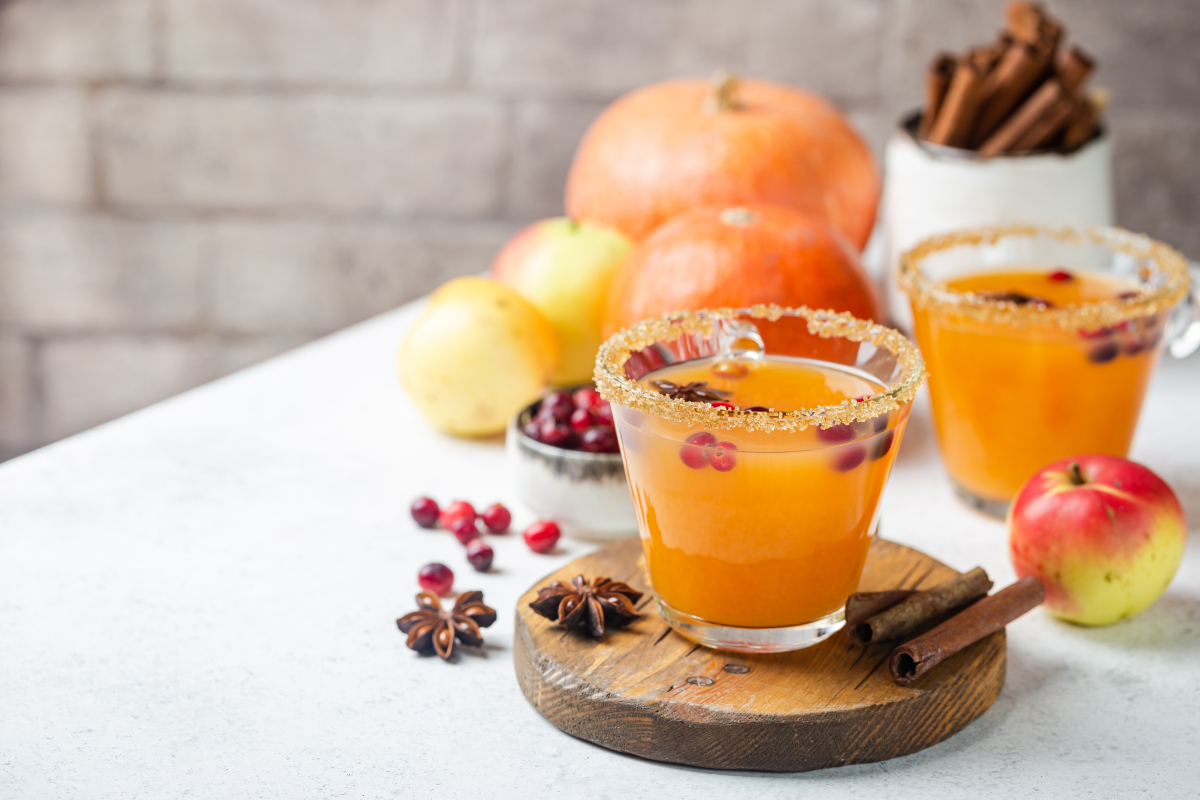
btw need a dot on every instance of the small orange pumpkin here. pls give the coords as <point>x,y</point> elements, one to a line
<point>683,143</point>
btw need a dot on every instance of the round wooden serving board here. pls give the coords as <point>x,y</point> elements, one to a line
<point>646,690</point>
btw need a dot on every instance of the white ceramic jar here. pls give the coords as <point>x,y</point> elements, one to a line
<point>930,189</point>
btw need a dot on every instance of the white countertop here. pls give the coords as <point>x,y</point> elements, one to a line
<point>200,600</point>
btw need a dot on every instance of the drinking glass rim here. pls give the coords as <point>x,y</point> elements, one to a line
<point>620,390</point>
<point>927,293</point>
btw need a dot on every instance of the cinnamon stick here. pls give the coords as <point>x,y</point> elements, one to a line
<point>912,660</point>
<point>956,118</point>
<point>908,616</point>
<point>1023,21</point>
<point>1048,126</point>
<point>1081,126</point>
<point>861,606</point>
<point>937,80</point>
<point>1072,68</point>
<point>1030,112</point>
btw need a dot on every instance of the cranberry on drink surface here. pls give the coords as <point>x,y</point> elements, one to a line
<point>695,452</point>
<point>542,536</point>
<point>582,419</point>
<point>723,404</point>
<point>723,458</point>
<point>497,518</point>
<point>600,439</point>
<point>758,409</point>
<point>1061,275</point>
<point>587,397</point>
<point>436,578</point>
<point>464,529</point>
<point>457,509</point>
<point>480,555</point>
<point>425,512</point>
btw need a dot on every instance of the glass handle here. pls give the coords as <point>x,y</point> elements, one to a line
<point>1183,325</point>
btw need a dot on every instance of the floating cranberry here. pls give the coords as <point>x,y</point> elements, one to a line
<point>880,448</point>
<point>582,419</point>
<point>425,512</point>
<point>836,433</point>
<point>587,397</point>
<point>599,439</point>
<point>723,404</point>
<point>694,457</point>
<point>603,413</point>
<point>464,529</point>
<point>1061,275</point>
<point>723,458</point>
<point>480,555</point>
<point>1103,353</point>
<point>1098,333</point>
<point>497,518</point>
<point>557,407</point>
<point>436,578</point>
<point>849,457</point>
<point>758,409</point>
<point>554,433</point>
<point>701,439</point>
<point>542,536</point>
<point>459,508</point>
<point>1129,295</point>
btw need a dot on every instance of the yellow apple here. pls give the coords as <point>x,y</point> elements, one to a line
<point>564,268</point>
<point>477,355</point>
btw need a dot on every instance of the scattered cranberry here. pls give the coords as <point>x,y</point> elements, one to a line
<point>603,414</point>
<point>554,433</point>
<point>425,512</point>
<point>723,459</point>
<point>758,409</point>
<point>849,458</point>
<point>464,529</point>
<point>436,578</point>
<point>582,419</point>
<point>1103,353</point>
<point>836,433</point>
<point>497,518</point>
<point>723,404</point>
<point>533,429</point>
<point>457,509</point>
<point>881,447</point>
<point>557,407</point>
<point>542,536</point>
<point>480,554</point>
<point>587,397</point>
<point>599,439</point>
<point>1061,275</point>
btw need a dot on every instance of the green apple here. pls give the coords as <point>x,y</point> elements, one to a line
<point>564,269</point>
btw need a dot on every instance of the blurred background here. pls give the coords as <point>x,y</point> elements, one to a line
<point>190,186</point>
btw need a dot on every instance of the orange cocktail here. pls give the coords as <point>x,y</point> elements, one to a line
<point>1032,364</point>
<point>756,476</point>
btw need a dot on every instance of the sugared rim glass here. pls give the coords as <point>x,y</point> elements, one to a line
<point>1150,300</point>
<point>615,387</point>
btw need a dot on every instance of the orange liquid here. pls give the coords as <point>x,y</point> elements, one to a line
<point>1009,399</point>
<point>780,538</point>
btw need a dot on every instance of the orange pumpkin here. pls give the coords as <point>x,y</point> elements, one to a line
<point>684,143</point>
<point>713,257</point>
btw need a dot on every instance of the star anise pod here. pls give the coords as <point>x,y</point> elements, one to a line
<point>431,629</point>
<point>696,391</point>
<point>1016,298</point>
<point>596,603</point>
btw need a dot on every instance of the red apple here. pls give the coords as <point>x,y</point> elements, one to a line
<point>564,269</point>
<point>1103,534</point>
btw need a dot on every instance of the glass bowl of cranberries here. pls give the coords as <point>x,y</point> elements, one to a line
<point>566,462</point>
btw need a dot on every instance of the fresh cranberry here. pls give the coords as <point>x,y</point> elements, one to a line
<point>758,409</point>
<point>603,413</point>
<point>542,536</point>
<point>459,508</point>
<point>480,554</point>
<point>836,433</point>
<point>557,407</point>
<point>425,512</point>
<point>723,404</point>
<point>723,458</point>
<point>587,397</point>
<point>497,518</point>
<point>533,429</point>
<point>849,458</point>
<point>582,419</point>
<point>694,457</point>
<point>1099,333</point>
<point>1103,353</point>
<point>436,578</point>
<point>554,434</point>
<point>862,399</point>
<point>1061,275</point>
<point>701,439</point>
<point>464,529</point>
<point>881,447</point>
<point>599,439</point>
<point>1129,295</point>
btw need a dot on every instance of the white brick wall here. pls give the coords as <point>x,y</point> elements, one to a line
<point>189,186</point>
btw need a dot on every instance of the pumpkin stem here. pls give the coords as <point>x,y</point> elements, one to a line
<point>721,95</point>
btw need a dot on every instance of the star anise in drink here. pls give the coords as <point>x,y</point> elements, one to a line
<point>593,604</point>
<point>1016,298</point>
<point>696,391</point>
<point>430,628</point>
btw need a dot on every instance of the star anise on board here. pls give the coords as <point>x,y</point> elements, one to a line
<point>1016,298</point>
<point>594,603</point>
<point>430,628</point>
<point>696,391</point>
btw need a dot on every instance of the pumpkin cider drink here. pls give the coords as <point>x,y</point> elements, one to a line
<point>756,474</point>
<point>1031,364</point>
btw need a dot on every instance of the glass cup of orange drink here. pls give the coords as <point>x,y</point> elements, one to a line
<point>1040,344</point>
<point>757,443</point>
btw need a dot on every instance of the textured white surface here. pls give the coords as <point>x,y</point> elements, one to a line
<point>199,600</point>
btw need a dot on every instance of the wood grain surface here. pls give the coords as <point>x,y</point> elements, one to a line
<point>648,691</point>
